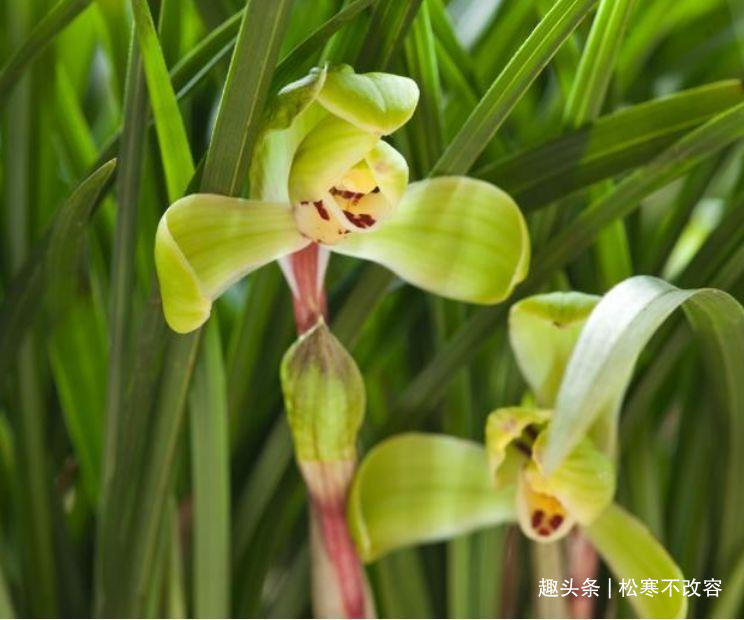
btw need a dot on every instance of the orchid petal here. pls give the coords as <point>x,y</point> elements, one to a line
<point>291,116</point>
<point>454,236</point>
<point>417,487</point>
<point>584,482</point>
<point>206,242</point>
<point>378,103</point>
<point>632,552</point>
<point>543,330</point>
<point>390,171</point>
<point>503,426</point>
<point>331,148</point>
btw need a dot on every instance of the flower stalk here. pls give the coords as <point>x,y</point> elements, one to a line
<point>305,271</point>
<point>325,399</point>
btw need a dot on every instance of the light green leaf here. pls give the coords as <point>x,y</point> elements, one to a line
<point>417,487</point>
<point>59,16</point>
<point>55,256</point>
<point>206,242</point>
<point>543,330</point>
<point>210,471</point>
<point>507,89</point>
<point>376,102</point>
<point>631,552</point>
<point>608,146</point>
<point>453,236</point>
<point>174,144</point>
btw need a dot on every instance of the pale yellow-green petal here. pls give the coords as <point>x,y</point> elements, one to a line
<point>416,488</point>
<point>503,426</point>
<point>375,102</point>
<point>632,552</point>
<point>543,330</point>
<point>206,242</point>
<point>584,482</point>
<point>326,153</point>
<point>291,114</point>
<point>390,171</point>
<point>454,236</point>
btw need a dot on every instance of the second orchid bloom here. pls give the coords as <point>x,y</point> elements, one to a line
<point>321,173</point>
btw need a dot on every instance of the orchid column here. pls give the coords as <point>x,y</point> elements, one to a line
<point>323,179</point>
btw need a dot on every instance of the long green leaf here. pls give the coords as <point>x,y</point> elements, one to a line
<point>390,22</point>
<point>67,234</point>
<point>115,482</point>
<point>241,106</point>
<point>174,145</point>
<point>38,39</point>
<point>611,145</point>
<point>511,84</point>
<point>210,466</point>
<point>597,61</point>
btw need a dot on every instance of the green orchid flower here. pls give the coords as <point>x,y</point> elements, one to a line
<point>415,487</point>
<point>322,173</point>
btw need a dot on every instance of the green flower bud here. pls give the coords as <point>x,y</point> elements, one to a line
<point>324,397</point>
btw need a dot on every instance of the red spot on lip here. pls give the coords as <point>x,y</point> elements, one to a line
<point>362,220</point>
<point>555,521</point>
<point>318,204</point>
<point>543,531</point>
<point>537,518</point>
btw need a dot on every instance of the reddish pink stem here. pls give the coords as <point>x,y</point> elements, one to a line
<point>337,566</point>
<point>339,547</point>
<point>583,564</point>
<point>308,293</point>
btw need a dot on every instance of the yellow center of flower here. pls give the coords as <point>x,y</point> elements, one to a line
<point>546,513</point>
<point>354,204</point>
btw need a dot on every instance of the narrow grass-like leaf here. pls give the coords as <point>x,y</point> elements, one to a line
<point>611,145</point>
<point>43,33</point>
<point>390,22</point>
<point>584,104</point>
<point>6,604</point>
<point>299,59</point>
<point>511,84</point>
<point>174,144</point>
<point>597,62</point>
<point>66,233</point>
<point>80,335</point>
<point>606,352</point>
<point>211,484</point>
<point>446,36</point>
<point>108,578</point>
<point>241,106</point>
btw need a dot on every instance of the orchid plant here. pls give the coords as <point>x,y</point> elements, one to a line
<point>322,178</point>
<point>418,487</point>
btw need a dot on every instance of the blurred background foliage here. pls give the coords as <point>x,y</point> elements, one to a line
<point>147,474</point>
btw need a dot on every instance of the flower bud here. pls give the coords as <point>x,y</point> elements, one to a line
<point>324,397</point>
